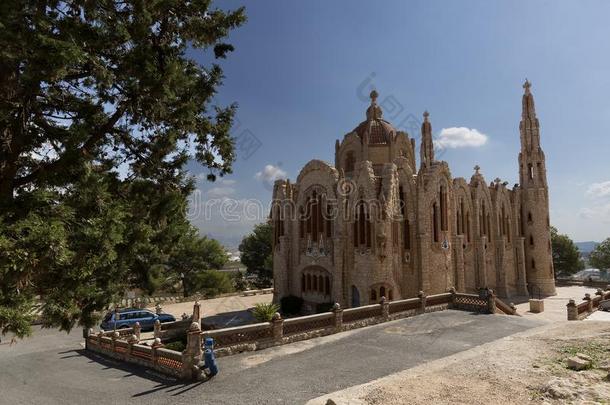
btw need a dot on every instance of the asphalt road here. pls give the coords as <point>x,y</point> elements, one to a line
<point>52,368</point>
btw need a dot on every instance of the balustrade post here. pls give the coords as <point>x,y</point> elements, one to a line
<point>133,339</point>
<point>422,301</point>
<point>453,291</point>
<point>491,301</point>
<point>156,345</point>
<point>572,310</point>
<point>137,329</point>
<point>99,339</point>
<point>114,336</point>
<point>589,302</point>
<point>385,309</point>
<point>197,312</point>
<point>338,317</point>
<point>157,329</point>
<point>191,356</point>
<point>277,326</point>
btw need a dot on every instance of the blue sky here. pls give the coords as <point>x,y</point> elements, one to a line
<point>301,71</point>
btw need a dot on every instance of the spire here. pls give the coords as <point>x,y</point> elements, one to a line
<point>528,110</point>
<point>374,111</point>
<point>529,127</point>
<point>427,147</point>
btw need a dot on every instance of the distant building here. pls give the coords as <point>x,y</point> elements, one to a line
<point>375,225</point>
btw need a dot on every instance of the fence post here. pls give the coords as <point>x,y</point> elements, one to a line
<point>137,329</point>
<point>156,345</point>
<point>197,312</point>
<point>589,302</point>
<point>157,329</point>
<point>491,301</point>
<point>114,336</point>
<point>338,317</point>
<point>452,302</point>
<point>385,309</point>
<point>191,356</point>
<point>277,326</point>
<point>422,301</point>
<point>133,339</point>
<point>572,310</point>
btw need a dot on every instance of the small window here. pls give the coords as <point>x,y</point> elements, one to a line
<point>531,240</point>
<point>533,264</point>
<point>381,292</point>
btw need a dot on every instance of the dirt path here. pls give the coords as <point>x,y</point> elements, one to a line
<point>525,367</point>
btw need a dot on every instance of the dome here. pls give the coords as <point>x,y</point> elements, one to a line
<point>379,130</point>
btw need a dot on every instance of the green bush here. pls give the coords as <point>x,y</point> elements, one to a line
<point>324,307</point>
<point>212,283</point>
<point>291,305</point>
<point>264,312</point>
<point>177,346</point>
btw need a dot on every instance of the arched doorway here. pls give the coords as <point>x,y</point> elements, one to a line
<point>355,297</point>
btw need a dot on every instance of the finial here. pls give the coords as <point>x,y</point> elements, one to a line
<point>476,169</point>
<point>497,180</point>
<point>426,115</point>
<point>374,96</point>
<point>527,86</point>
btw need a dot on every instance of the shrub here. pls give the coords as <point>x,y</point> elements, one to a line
<point>291,305</point>
<point>177,346</point>
<point>212,282</point>
<point>264,312</point>
<point>324,307</point>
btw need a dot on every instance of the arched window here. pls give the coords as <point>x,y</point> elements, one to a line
<point>278,224</point>
<point>349,162</point>
<point>406,231</point>
<point>362,226</point>
<point>381,291</point>
<point>308,285</point>
<point>315,219</point>
<point>373,295</point>
<point>435,229</point>
<point>529,217</point>
<point>533,264</point>
<point>327,285</point>
<point>314,283</point>
<point>443,204</point>
<point>531,240</point>
<point>320,284</point>
<point>302,282</point>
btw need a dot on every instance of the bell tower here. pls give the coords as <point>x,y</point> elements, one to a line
<point>534,201</point>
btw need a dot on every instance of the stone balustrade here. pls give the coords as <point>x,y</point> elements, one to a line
<point>588,305</point>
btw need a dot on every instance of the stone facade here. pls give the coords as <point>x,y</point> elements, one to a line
<point>375,225</point>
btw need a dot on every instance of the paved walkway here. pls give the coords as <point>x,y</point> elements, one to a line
<point>52,368</point>
<point>555,306</point>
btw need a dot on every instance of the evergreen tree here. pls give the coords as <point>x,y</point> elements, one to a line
<point>257,255</point>
<point>600,257</point>
<point>100,109</point>
<point>566,256</point>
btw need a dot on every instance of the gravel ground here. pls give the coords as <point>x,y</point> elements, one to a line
<point>528,367</point>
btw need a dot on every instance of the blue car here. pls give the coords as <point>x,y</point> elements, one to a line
<point>129,316</point>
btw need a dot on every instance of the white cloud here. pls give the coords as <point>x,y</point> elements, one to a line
<point>460,137</point>
<point>218,192</point>
<point>599,189</point>
<point>599,213</point>
<point>270,174</point>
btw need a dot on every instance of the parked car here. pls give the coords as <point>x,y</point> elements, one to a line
<point>127,317</point>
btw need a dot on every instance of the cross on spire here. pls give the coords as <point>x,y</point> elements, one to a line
<point>374,96</point>
<point>527,86</point>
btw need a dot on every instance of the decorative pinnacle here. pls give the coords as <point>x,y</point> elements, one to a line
<point>374,96</point>
<point>476,169</point>
<point>497,180</point>
<point>426,115</point>
<point>527,86</point>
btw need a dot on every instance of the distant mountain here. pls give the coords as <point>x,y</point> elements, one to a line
<point>586,247</point>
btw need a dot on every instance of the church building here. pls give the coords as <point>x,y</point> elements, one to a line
<point>378,225</point>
